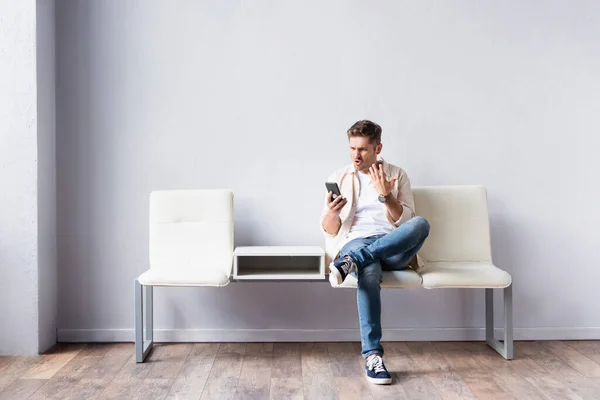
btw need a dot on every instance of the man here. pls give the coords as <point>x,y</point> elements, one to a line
<point>369,228</point>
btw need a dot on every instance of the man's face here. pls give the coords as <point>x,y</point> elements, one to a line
<point>363,153</point>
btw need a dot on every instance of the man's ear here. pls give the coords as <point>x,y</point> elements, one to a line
<point>378,148</point>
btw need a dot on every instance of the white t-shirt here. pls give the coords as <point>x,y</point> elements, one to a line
<point>370,218</point>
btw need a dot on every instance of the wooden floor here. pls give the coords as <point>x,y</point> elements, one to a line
<point>446,370</point>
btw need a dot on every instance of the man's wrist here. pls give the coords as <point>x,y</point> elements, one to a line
<point>386,198</point>
<point>333,214</point>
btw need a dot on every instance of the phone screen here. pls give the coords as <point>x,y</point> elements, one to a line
<point>334,188</point>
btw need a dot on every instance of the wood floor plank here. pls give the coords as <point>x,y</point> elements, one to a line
<point>259,349</point>
<point>5,361</point>
<point>503,372</point>
<point>204,350</point>
<point>553,388</point>
<point>233,348</point>
<point>66,378</point>
<point>52,363</point>
<point>286,389</point>
<point>16,368</point>
<point>77,368</point>
<point>395,391</point>
<point>585,347</point>
<point>86,389</point>
<point>286,362</point>
<point>586,388</point>
<point>96,349</point>
<point>255,376</point>
<point>574,358</point>
<point>192,379</point>
<point>545,358</point>
<point>319,387</point>
<point>589,348</point>
<point>156,379</point>
<point>431,363</point>
<point>421,370</point>
<point>139,386</point>
<point>99,375</point>
<point>121,349</point>
<point>350,388</point>
<point>225,372</point>
<point>155,389</point>
<point>128,379</point>
<point>347,366</point>
<point>286,348</point>
<point>175,352</point>
<point>106,368</point>
<point>195,371</point>
<point>169,362</point>
<point>21,389</point>
<point>554,378</point>
<point>473,374</point>
<point>416,385</point>
<point>317,379</point>
<point>344,361</point>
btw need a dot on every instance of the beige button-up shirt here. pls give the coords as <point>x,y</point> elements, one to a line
<point>348,182</point>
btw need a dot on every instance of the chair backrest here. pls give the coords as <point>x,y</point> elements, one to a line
<point>459,223</point>
<point>191,230</point>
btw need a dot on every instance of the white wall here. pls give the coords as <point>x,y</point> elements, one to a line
<point>46,103</point>
<point>256,96</point>
<point>28,272</point>
<point>18,178</point>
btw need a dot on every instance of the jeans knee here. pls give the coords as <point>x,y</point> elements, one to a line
<point>353,245</point>
<point>370,275</point>
<point>421,225</point>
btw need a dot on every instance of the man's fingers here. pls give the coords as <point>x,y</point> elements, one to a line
<point>339,205</point>
<point>330,197</point>
<point>335,202</point>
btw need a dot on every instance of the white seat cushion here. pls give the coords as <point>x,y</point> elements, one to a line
<point>189,277</point>
<point>191,238</point>
<point>405,279</point>
<point>463,275</point>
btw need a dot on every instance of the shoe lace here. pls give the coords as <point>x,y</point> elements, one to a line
<point>376,363</point>
<point>348,265</point>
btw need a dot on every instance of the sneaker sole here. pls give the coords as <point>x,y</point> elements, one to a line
<point>334,275</point>
<point>376,381</point>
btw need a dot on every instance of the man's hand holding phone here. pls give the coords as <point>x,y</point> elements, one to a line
<point>335,202</point>
<point>335,205</point>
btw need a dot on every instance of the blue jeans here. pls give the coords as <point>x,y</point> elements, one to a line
<point>373,254</point>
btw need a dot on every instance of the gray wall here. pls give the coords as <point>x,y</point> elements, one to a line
<point>46,102</point>
<point>256,96</point>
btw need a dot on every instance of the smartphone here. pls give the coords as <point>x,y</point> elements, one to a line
<point>333,188</point>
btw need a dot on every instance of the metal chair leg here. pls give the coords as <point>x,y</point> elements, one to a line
<point>143,346</point>
<point>505,348</point>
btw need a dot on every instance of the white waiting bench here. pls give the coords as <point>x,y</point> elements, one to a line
<point>191,244</point>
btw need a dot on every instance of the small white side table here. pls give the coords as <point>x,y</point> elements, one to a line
<point>278,263</point>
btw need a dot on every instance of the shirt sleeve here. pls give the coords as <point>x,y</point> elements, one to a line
<point>406,199</point>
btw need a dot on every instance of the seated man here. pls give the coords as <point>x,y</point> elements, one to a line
<point>369,228</point>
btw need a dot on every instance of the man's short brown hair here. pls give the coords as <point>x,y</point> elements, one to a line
<point>368,129</point>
